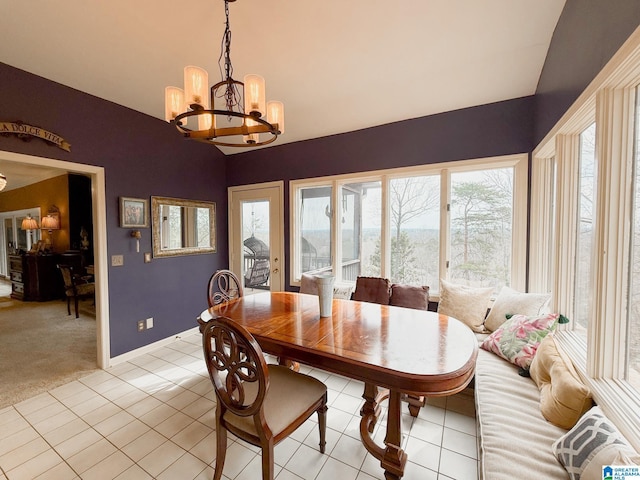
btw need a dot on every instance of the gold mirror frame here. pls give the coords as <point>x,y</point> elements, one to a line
<point>158,251</point>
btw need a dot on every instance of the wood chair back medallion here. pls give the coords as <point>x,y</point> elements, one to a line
<point>223,286</point>
<point>235,362</point>
<point>259,403</point>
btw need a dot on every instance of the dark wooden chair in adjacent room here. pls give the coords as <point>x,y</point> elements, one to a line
<point>75,286</point>
<point>258,403</point>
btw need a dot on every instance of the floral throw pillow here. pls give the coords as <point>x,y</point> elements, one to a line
<point>518,338</point>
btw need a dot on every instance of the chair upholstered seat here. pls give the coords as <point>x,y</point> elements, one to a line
<point>82,289</point>
<point>281,408</point>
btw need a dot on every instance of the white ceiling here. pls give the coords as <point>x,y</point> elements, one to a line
<point>338,65</point>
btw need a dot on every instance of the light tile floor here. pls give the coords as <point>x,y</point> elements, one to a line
<point>153,417</point>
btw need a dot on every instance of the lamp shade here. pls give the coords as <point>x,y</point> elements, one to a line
<point>196,84</point>
<point>275,115</point>
<point>206,121</point>
<point>252,138</point>
<point>254,95</point>
<point>173,103</point>
<point>50,223</point>
<point>29,223</point>
<point>3,181</point>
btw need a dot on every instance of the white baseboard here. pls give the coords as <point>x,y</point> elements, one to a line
<point>125,357</point>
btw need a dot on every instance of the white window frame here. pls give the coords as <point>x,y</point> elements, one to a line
<point>519,162</point>
<point>609,101</point>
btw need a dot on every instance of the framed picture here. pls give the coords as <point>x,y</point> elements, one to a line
<point>134,212</point>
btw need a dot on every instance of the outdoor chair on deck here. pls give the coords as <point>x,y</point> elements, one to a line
<point>223,286</point>
<point>75,286</point>
<point>258,403</point>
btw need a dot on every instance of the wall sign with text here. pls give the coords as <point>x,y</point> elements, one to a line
<point>27,132</point>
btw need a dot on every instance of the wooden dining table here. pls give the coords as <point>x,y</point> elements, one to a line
<point>393,350</point>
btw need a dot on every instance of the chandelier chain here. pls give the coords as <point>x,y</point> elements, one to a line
<point>231,94</point>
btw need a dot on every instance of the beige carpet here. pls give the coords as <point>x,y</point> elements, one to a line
<point>41,347</point>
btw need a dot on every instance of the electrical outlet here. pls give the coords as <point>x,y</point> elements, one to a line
<point>117,260</point>
<point>141,325</point>
<point>150,322</point>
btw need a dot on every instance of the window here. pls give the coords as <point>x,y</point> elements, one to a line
<point>585,228</point>
<point>315,228</point>
<point>391,224</point>
<point>596,234</point>
<point>481,224</point>
<point>632,357</point>
<point>361,229</point>
<point>415,230</point>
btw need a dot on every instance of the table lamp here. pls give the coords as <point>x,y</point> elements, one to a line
<point>29,224</point>
<point>50,223</point>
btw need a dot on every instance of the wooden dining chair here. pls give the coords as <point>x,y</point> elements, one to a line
<point>223,286</point>
<point>258,403</point>
<point>75,286</point>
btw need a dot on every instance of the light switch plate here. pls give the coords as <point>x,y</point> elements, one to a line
<point>147,257</point>
<point>117,260</point>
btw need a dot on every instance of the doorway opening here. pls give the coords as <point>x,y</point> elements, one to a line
<point>97,176</point>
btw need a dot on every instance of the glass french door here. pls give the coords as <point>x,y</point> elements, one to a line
<point>256,236</point>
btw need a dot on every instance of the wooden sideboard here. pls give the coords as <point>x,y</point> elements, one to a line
<point>35,277</point>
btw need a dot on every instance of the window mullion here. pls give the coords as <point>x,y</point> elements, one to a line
<point>385,240</point>
<point>445,222</point>
<point>540,248</point>
<point>519,229</point>
<point>336,236</point>
<point>614,144</point>
<point>567,160</point>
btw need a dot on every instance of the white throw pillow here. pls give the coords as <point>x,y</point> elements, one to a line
<point>467,304</point>
<point>512,302</point>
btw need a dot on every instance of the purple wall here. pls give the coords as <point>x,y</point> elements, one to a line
<point>588,34</point>
<point>489,130</point>
<point>495,129</point>
<point>142,156</point>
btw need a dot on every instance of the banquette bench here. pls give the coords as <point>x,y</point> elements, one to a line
<point>535,417</point>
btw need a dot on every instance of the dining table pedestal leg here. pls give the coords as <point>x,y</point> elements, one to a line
<point>392,458</point>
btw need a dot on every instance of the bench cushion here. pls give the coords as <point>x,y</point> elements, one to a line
<point>513,436</point>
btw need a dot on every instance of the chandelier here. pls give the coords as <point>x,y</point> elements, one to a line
<point>233,113</point>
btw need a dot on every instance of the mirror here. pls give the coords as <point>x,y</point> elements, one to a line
<point>182,227</point>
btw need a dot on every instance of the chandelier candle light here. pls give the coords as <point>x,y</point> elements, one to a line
<point>241,121</point>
